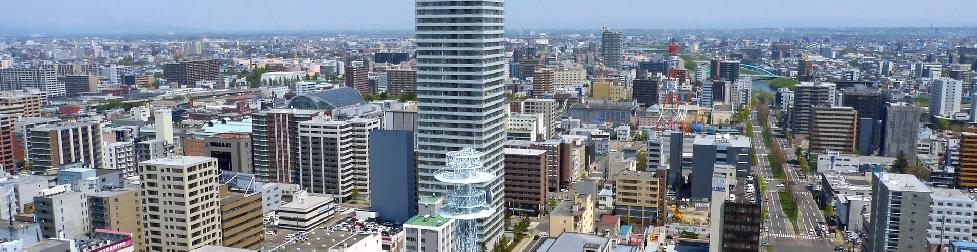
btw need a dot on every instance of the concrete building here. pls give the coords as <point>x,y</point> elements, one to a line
<point>306,211</point>
<point>75,85</point>
<point>525,127</point>
<point>429,233</point>
<point>118,210</point>
<point>43,78</point>
<point>575,215</point>
<point>275,140</point>
<point>181,203</point>
<point>900,131</point>
<point>393,181</point>
<point>62,213</point>
<point>8,144</point>
<point>450,117</point>
<point>639,196</point>
<point>402,81</point>
<point>358,77</point>
<point>232,150</point>
<point>945,97</point>
<point>543,83</point>
<point>711,150</point>
<point>53,146</point>
<point>867,101</point>
<point>188,73</point>
<point>120,156</point>
<point>900,213</point>
<point>615,112</point>
<point>577,242</point>
<point>164,125</point>
<point>606,89</point>
<point>20,104</point>
<point>153,149</point>
<point>735,219</point>
<point>612,48</point>
<point>645,92</point>
<point>967,172</point>
<point>526,181</point>
<point>333,156</point>
<point>549,108</point>
<point>809,96</point>
<point>21,191</point>
<point>951,215</point>
<point>835,129</point>
<point>242,225</point>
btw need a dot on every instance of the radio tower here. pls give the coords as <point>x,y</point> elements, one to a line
<point>467,201</point>
<point>673,113</point>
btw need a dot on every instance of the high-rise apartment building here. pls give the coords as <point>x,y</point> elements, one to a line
<point>75,85</point>
<point>525,181</point>
<point>967,173</point>
<point>645,92</point>
<point>951,215</point>
<point>549,108</point>
<point>807,97</point>
<point>181,203</point>
<point>464,107</point>
<point>118,210</point>
<point>52,146</point>
<point>402,81</point>
<point>834,129</point>
<point>275,140</point>
<point>945,97</point>
<point>899,213</point>
<point>21,104</point>
<point>612,48</point>
<point>188,73</point>
<point>358,77</point>
<point>241,222</point>
<point>333,156</point>
<point>900,130</point>
<point>42,78</point>
<point>120,156</point>
<point>639,196</point>
<point>232,150</point>
<point>8,141</point>
<point>543,83</point>
<point>62,213</point>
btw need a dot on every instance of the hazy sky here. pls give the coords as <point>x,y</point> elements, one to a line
<point>304,15</point>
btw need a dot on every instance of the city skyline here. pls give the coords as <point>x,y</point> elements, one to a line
<point>114,16</point>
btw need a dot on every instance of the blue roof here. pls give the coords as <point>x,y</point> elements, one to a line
<point>329,99</point>
<point>625,230</point>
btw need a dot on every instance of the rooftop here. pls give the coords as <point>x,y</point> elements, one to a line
<point>903,183</point>
<point>525,152</point>
<point>310,201</point>
<point>178,161</point>
<point>428,221</point>
<point>945,193</point>
<point>428,200</point>
<point>568,241</point>
<point>329,99</point>
<point>723,139</point>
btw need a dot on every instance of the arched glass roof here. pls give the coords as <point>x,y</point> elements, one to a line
<point>329,99</point>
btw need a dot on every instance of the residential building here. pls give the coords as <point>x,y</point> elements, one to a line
<point>967,172</point>
<point>43,78</point>
<point>275,140</point>
<point>120,156</point>
<point>181,203</point>
<point>232,150</point>
<point>526,127</point>
<point>53,146</point>
<point>62,213</point>
<point>188,73</point>
<point>639,196</point>
<point>429,233</point>
<point>153,149</point>
<point>450,116</point>
<point>945,97</point>
<point>393,181</point>
<point>711,150</point>
<point>8,144</point>
<point>899,213</point>
<point>241,222</point>
<point>19,104</point>
<point>333,156</point>
<point>358,77</point>
<point>543,83</point>
<point>526,181</point>
<point>306,211</point>
<point>612,48</point>
<point>402,81</point>
<point>809,96</point>
<point>575,215</point>
<point>549,108</point>
<point>951,215</point>
<point>118,210</point>
<point>900,131</point>
<point>835,129</point>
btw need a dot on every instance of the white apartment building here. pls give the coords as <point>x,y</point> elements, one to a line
<point>951,215</point>
<point>945,97</point>
<point>428,233</point>
<point>120,156</point>
<point>181,203</point>
<point>333,156</point>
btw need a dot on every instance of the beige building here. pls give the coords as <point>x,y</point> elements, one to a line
<point>241,220</point>
<point>610,90</point>
<point>118,210</point>
<point>22,104</point>
<point>575,215</point>
<point>834,129</point>
<point>639,196</point>
<point>55,145</point>
<point>181,203</point>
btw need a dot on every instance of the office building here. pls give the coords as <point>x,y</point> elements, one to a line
<point>19,104</point>
<point>967,172</point>
<point>645,92</point>
<point>612,48</point>
<point>527,67</point>
<point>606,89</point>
<point>275,139</point>
<point>462,119</point>
<point>867,136</point>
<point>639,196</point>
<point>391,57</point>
<point>118,210</point>
<point>868,102</point>
<point>808,97</point>
<point>729,71</point>
<point>738,218</point>
<point>75,85</point>
<point>181,203</point>
<point>232,150</point>
<point>188,73</point>
<point>525,127</point>
<point>835,129</point>
<point>358,77</point>
<point>306,211</point>
<point>120,156</point>
<point>899,213</point>
<point>526,181</point>
<point>951,215</point>
<point>20,193</point>
<point>241,222</point>
<point>900,131</point>
<point>43,78</point>
<point>549,108</point>
<point>164,125</point>
<point>543,83</point>
<point>711,150</point>
<point>333,156</point>
<point>402,81</point>
<point>429,233</point>
<point>393,183</point>
<point>945,97</point>
<point>62,213</point>
<point>805,68</point>
<point>53,146</point>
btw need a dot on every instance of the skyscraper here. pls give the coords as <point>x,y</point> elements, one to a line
<point>463,107</point>
<point>612,48</point>
<point>275,141</point>
<point>807,97</point>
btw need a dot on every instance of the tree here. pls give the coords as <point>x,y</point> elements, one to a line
<point>354,195</point>
<point>642,160</point>
<point>508,220</point>
<point>551,204</point>
<point>407,97</point>
<point>900,165</point>
<point>521,229</point>
<point>919,172</point>
<point>829,210</point>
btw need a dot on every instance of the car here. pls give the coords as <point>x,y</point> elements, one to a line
<point>289,236</point>
<point>269,232</point>
<point>810,232</point>
<point>840,248</point>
